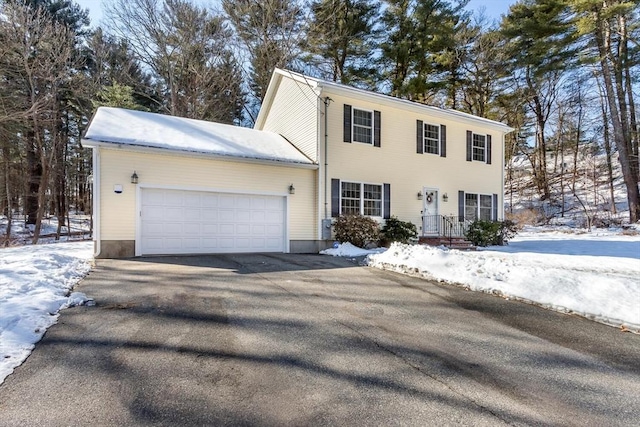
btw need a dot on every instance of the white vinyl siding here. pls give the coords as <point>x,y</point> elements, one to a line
<point>118,211</point>
<point>293,114</point>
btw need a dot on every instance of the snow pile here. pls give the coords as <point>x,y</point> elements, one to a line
<point>349,250</point>
<point>596,278</point>
<point>35,282</point>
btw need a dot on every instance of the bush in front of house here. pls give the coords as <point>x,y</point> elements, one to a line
<point>395,230</point>
<point>486,233</point>
<point>357,229</point>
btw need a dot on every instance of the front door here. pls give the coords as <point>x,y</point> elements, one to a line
<point>430,218</point>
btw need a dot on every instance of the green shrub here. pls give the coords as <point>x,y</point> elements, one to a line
<point>395,230</point>
<point>485,233</point>
<point>357,229</point>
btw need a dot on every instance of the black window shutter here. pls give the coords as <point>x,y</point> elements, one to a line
<point>347,123</point>
<point>494,208</point>
<point>443,141</point>
<point>419,137</point>
<point>387,201</point>
<point>469,145</point>
<point>376,128</point>
<point>460,206</point>
<point>335,197</point>
<point>488,149</point>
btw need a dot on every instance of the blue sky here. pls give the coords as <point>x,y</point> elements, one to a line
<point>493,8</point>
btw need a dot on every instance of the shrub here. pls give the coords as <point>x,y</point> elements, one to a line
<point>357,229</point>
<point>485,233</point>
<point>398,231</point>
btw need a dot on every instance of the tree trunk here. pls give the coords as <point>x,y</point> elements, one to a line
<point>34,173</point>
<point>602,38</point>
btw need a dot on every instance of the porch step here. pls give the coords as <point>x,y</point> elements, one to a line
<point>459,243</point>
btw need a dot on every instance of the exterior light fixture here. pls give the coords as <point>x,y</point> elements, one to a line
<point>292,189</point>
<point>445,197</point>
<point>419,195</point>
<point>134,178</point>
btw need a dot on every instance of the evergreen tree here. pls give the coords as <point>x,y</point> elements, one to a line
<point>342,38</point>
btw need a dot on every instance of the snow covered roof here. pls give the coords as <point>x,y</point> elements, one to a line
<point>140,129</point>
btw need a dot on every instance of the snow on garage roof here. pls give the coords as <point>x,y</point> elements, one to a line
<point>140,129</point>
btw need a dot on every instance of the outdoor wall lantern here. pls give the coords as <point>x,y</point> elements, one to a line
<point>134,178</point>
<point>292,189</point>
<point>445,197</point>
<point>419,195</point>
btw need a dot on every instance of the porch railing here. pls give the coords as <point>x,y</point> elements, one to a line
<point>444,226</point>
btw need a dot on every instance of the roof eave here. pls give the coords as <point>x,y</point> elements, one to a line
<point>411,105</point>
<point>88,142</point>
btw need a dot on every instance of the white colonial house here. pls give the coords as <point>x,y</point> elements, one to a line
<point>169,185</point>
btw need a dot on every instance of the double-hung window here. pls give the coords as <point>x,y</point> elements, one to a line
<point>431,139</point>
<point>363,126</point>
<point>479,147</point>
<point>361,198</point>
<point>478,206</point>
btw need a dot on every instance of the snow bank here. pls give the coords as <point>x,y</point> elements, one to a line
<point>35,284</point>
<point>602,288</point>
<point>349,250</point>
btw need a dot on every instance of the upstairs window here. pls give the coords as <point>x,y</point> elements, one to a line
<point>362,125</point>
<point>431,139</point>
<point>479,147</point>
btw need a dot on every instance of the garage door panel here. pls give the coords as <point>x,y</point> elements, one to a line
<point>273,217</point>
<point>226,215</point>
<point>172,228</point>
<point>243,229</point>
<point>193,228</point>
<point>173,214</point>
<point>226,201</point>
<point>210,200</point>
<point>259,203</point>
<point>183,222</point>
<point>243,216</point>
<point>173,198</point>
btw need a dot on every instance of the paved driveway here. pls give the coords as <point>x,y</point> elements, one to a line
<point>270,340</point>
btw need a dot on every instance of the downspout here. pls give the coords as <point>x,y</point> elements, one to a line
<point>96,201</point>
<point>326,101</point>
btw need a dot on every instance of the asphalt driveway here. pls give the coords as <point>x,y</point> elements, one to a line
<point>272,340</point>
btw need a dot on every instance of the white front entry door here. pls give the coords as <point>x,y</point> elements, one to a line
<point>431,220</point>
<point>198,222</point>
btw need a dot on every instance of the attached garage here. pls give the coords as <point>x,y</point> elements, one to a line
<point>173,186</point>
<point>197,222</point>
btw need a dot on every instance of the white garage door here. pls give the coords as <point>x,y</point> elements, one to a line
<point>191,222</point>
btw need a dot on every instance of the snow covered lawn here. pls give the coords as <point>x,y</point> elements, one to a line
<point>35,284</point>
<point>596,275</point>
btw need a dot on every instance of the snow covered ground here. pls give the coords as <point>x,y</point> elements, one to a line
<point>596,274</point>
<point>22,234</point>
<point>35,284</point>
